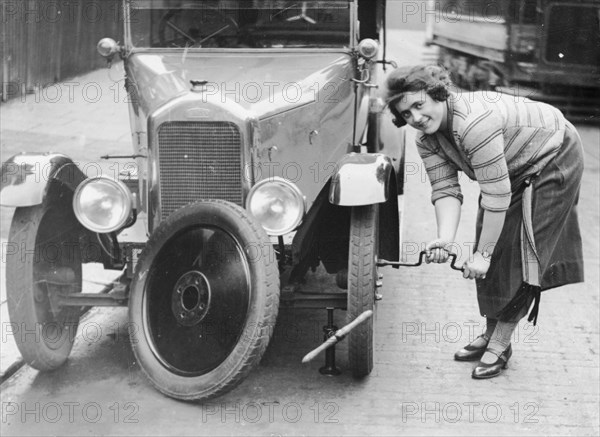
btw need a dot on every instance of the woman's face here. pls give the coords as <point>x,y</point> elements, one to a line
<point>422,112</point>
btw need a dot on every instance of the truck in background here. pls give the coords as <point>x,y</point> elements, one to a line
<point>547,50</point>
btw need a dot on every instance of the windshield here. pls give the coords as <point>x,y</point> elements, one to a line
<point>239,23</point>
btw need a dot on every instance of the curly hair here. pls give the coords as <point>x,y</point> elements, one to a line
<point>435,80</point>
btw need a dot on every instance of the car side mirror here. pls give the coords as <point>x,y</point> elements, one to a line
<point>108,47</point>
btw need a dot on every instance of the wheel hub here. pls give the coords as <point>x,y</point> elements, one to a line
<point>190,298</point>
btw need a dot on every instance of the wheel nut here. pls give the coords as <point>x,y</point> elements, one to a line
<point>378,284</point>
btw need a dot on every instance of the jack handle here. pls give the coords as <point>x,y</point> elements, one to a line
<point>422,254</point>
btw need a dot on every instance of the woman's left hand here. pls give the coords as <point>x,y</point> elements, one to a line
<point>476,268</point>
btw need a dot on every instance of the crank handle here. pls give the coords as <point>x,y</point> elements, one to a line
<point>422,255</point>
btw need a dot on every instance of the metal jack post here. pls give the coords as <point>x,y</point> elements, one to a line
<point>328,330</point>
<point>332,336</point>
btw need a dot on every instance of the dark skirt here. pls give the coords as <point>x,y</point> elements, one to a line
<point>504,294</point>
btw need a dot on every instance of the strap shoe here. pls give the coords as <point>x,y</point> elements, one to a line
<point>470,352</point>
<point>485,371</point>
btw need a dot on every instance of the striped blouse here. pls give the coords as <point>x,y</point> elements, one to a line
<point>497,139</point>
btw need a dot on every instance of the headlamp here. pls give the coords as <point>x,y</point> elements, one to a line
<point>102,204</point>
<point>368,48</point>
<point>277,204</point>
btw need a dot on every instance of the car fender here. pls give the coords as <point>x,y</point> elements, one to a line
<point>361,179</point>
<point>26,178</point>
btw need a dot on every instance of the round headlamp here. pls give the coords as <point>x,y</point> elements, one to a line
<point>102,205</point>
<point>277,204</point>
<point>368,48</point>
<point>107,47</point>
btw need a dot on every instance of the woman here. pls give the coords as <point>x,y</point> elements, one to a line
<point>528,161</point>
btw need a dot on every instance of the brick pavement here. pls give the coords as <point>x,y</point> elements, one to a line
<point>550,388</point>
<point>553,374</point>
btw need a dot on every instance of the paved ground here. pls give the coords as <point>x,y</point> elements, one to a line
<point>550,388</point>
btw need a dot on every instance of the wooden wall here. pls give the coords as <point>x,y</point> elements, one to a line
<point>45,41</point>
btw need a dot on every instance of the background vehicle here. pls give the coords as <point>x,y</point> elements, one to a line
<point>547,50</point>
<point>260,152</point>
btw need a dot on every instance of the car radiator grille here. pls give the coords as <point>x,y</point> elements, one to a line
<point>199,160</point>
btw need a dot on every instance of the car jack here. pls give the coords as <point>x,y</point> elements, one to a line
<point>332,336</point>
<point>328,331</point>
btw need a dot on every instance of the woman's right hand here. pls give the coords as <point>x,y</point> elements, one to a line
<point>436,251</point>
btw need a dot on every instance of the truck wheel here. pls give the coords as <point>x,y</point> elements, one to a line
<point>362,276</point>
<point>204,300</point>
<point>43,261</point>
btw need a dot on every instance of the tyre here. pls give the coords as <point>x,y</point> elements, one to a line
<point>362,277</point>
<point>204,300</point>
<point>43,261</point>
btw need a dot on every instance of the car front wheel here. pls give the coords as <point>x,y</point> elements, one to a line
<point>43,263</point>
<point>362,277</point>
<point>204,300</point>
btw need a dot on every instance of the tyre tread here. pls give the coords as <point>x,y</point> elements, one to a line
<point>363,235</point>
<point>23,231</point>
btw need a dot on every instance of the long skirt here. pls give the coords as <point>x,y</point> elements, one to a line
<point>504,294</point>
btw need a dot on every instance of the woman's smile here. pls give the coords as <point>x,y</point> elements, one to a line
<point>422,112</point>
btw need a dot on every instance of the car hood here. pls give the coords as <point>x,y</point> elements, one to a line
<point>262,83</point>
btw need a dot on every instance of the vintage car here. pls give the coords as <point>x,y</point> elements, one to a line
<point>262,152</point>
